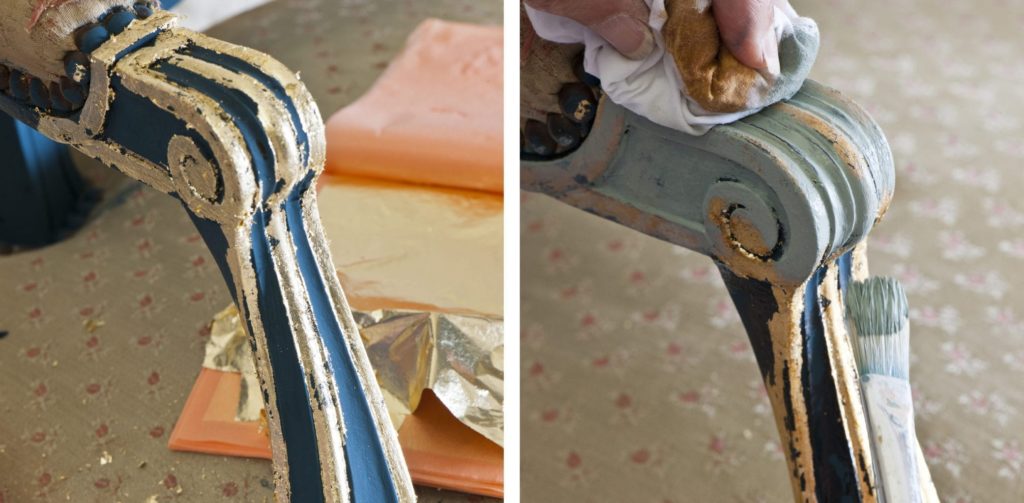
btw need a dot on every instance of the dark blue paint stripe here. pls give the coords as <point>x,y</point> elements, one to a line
<point>293,400</point>
<point>369,477</point>
<point>292,396</point>
<point>845,264</point>
<point>243,113</point>
<point>243,67</point>
<point>831,456</point>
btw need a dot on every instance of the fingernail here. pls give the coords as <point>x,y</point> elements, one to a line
<point>770,53</point>
<point>629,35</point>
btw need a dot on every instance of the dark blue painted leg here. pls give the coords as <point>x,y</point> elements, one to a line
<point>42,196</point>
<point>800,346</point>
<point>237,138</point>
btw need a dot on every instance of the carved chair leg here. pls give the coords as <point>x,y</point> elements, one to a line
<point>237,139</point>
<point>42,196</point>
<point>312,366</point>
<point>778,199</point>
<point>800,342</point>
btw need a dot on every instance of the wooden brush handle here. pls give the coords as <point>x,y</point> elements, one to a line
<point>890,411</point>
<point>924,476</point>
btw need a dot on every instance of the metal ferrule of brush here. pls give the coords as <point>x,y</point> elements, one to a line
<point>879,324</point>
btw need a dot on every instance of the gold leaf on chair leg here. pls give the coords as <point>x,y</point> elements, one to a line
<point>844,374</point>
<point>786,389</point>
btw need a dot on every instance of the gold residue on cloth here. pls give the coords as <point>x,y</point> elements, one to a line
<point>458,357</point>
<point>713,77</point>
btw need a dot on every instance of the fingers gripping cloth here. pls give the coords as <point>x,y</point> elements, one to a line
<point>690,81</point>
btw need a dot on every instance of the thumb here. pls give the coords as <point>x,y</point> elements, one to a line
<point>623,23</point>
<point>746,30</point>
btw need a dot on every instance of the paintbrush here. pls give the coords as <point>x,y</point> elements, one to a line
<point>877,313</point>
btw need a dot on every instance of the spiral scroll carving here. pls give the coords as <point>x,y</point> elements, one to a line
<point>198,181</point>
<point>827,178</point>
<point>741,224</point>
<point>771,196</point>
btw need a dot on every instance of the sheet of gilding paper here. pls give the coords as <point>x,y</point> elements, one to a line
<point>460,358</point>
<point>441,454</point>
<point>433,117</point>
<point>208,422</point>
<point>441,375</point>
<point>228,350</point>
<point>399,246</point>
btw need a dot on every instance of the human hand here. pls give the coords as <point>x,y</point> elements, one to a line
<point>623,23</point>
<point>745,26</point>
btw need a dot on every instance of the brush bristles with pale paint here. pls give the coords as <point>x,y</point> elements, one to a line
<point>877,313</point>
<point>877,309</point>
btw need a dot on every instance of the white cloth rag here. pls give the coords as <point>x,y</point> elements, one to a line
<point>652,87</point>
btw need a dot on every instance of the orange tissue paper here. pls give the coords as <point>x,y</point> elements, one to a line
<point>434,116</point>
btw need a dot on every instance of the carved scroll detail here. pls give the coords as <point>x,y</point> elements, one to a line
<point>237,138</point>
<point>778,200</point>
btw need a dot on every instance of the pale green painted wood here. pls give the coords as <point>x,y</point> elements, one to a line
<point>805,200</point>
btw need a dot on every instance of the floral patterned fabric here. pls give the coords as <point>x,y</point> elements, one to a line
<point>638,380</point>
<point>93,373</point>
<point>106,330</point>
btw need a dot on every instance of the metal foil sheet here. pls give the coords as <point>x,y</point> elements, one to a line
<point>228,350</point>
<point>459,358</point>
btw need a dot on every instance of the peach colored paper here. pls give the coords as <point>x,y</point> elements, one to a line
<point>207,423</point>
<point>434,116</point>
<point>440,451</point>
